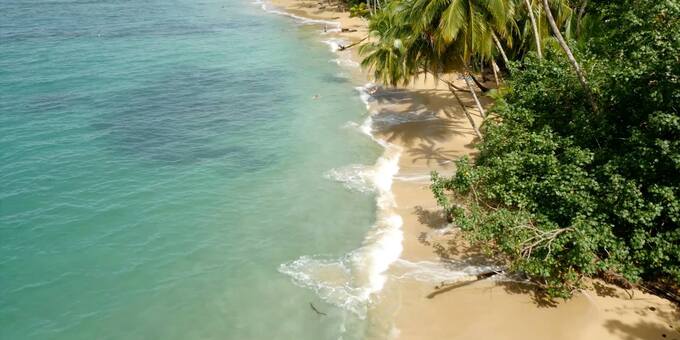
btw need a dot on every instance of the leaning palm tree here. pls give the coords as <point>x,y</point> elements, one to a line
<point>534,26</point>
<point>565,47</point>
<point>398,53</point>
<point>458,31</point>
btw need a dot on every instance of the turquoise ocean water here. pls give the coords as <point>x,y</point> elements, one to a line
<point>160,160</point>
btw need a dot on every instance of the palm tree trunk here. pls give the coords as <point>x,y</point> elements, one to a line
<point>577,68</point>
<point>534,27</point>
<point>581,12</point>
<point>494,67</point>
<point>342,48</point>
<point>481,70</point>
<point>500,49</point>
<point>474,94</point>
<point>465,110</point>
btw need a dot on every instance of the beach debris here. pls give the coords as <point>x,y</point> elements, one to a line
<point>470,278</point>
<point>316,310</point>
<point>342,48</point>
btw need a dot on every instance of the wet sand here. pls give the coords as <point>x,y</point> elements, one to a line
<point>428,124</point>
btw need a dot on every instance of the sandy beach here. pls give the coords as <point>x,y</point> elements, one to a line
<point>429,126</point>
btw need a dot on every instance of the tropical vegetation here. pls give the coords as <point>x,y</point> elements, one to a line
<point>578,171</point>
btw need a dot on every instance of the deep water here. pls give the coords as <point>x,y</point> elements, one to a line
<point>159,160</point>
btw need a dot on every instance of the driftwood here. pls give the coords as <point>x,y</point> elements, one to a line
<point>470,278</point>
<point>464,281</point>
<point>342,48</point>
<point>480,85</point>
<point>316,310</point>
<point>451,84</point>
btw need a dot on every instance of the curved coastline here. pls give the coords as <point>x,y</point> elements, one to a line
<point>351,281</point>
<point>421,283</point>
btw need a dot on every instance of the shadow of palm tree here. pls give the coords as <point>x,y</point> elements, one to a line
<point>417,125</point>
<point>411,115</point>
<point>431,152</point>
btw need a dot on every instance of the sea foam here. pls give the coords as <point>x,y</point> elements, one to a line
<point>350,281</point>
<point>335,44</point>
<point>331,26</point>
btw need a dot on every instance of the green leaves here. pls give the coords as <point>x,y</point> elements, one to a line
<point>453,19</point>
<point>561,193</point>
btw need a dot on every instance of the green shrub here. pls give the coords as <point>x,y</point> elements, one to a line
<point>359,10</point>
<point>562,192</point>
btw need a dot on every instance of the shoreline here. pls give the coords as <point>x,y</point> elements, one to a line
<point>412,303</point>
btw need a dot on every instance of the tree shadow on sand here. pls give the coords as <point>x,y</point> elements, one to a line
<point>641,330</point>
<point>458,255</point>
<point>434,219</point>
<point>538,296</point>
<point>415,125</point>
<point>431,152</point>
<point>604,290</point>
<point>411,116</point>
<point>669,325</point>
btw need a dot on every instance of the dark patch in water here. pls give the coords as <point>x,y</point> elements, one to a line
<point>331,78</point>
<point>194,115</point>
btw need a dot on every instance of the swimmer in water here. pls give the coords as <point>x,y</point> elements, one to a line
<point>316,96</point>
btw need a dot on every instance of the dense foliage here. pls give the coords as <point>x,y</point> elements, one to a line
<point>561,191</point>
<point>359,10</point>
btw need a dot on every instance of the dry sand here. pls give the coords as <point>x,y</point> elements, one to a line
<point>436,133</point>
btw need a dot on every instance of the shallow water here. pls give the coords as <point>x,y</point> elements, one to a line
<point>160,160</point>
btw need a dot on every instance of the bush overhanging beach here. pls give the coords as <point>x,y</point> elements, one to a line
<point>577,171</point>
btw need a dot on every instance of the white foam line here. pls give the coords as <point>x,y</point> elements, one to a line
<point>384,242</point>
<point>414,178</point>
<point>346,62</point>
<point>366,96</point>
<point>301,19</point>
<point>350,282</point>
<point>335,44</point>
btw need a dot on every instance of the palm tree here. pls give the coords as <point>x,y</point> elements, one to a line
<point>399,54</point>
<point>534,27</point>
<point>565,47</point>
<point>459,31</point>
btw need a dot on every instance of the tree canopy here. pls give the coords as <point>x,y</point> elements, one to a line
<point>562,192</point>
<point>579,166</point>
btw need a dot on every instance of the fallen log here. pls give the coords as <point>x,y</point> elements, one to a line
<point>461,282</point>
<point>342,48</point>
